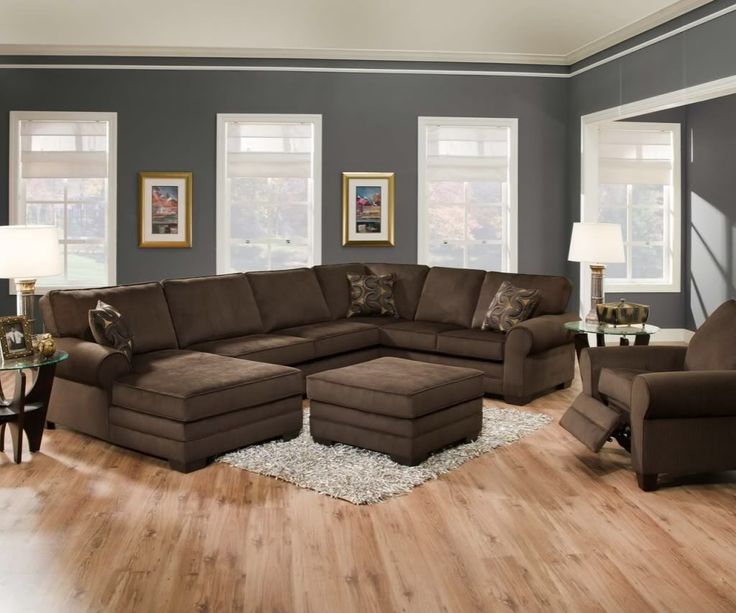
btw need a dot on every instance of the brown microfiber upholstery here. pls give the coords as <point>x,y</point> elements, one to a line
<point>210,308</point>
<point>270,348</point>
<point>554,292</point>
<point>590,421</point>
<point>143,306</point>
<point>93,364</point>
<point>408,284</point>
<point>480,344</point>
<point>449,296</point>
<point>333,279</point>
<point>713,347</point>
<point>288,298</point>
<point>616,384</point>
<point>191,385</point>
<point>540,333</point>
<point>407,389</point>
<point>332,337</point>
<point>419,335</point>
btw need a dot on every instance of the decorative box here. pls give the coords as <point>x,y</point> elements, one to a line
<point>622,313</point>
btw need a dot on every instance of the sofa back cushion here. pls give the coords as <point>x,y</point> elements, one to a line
<point>66,313</point>
<point>211,308</point>
<point>288,298</point>
<point>408,283</point>
<point>713,347</point>
<point>554,292</point>
<point>449,296</point>
<point>333,279</point>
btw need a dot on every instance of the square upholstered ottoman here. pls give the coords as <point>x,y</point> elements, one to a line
<point>403,408</point>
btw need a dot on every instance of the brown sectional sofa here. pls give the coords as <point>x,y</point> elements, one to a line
<point>219,362</point>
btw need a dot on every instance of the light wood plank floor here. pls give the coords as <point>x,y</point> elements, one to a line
<point>540,525</point>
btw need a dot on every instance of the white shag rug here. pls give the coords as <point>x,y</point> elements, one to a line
<point>364,477</point>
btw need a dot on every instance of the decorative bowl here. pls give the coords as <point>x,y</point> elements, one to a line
<point>622,313</point>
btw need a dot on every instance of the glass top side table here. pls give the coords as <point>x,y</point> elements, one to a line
<point>641,333</point>
<point>26,412</point>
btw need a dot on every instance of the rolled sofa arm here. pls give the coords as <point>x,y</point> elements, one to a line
<point>638,357</point>
<point>539,334</point>
<point>684,395</point>
<point>91,363</point>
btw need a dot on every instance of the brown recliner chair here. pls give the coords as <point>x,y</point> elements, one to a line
<point>673,407</point>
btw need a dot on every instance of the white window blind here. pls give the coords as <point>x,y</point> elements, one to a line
<point>467,192</point>
<point>63,174</point>
<point>638,188</point>
<point>268,192</point>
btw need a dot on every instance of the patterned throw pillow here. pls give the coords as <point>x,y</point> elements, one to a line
<point>372,295</point>
<point>109,328</point>
<point>511,305</point>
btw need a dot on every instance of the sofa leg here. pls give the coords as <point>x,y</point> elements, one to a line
<point>322,441</point>
<point>187,467</point>
<point>647,482</point>
<point>518,400</point>
<point>565,385</point>
<point>291,435</point>
<point>409,461</point>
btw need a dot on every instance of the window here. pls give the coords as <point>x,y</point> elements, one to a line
<point>638,187</point>
<point>268,192</point>
<point>467,193</point>
<point>63,174</point>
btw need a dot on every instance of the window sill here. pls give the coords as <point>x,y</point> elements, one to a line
<point>610,287</point>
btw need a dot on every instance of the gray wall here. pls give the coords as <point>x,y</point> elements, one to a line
<point>166,121</point>
<point>701,54</point>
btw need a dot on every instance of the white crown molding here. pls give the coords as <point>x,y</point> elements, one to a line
<point>285,53</point>
<point>632,29</point>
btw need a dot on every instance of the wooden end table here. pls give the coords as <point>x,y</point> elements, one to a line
<point>641,333</point>
<point>26,412</point>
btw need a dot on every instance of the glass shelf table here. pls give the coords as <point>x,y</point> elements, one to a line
<point>640,332</point>
<point>26,410</point>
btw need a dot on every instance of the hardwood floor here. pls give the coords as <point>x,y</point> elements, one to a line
<point>539,525</point>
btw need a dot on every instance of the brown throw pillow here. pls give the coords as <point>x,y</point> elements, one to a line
<point>372,295</point>
<point>109,328</point>
<point>510,306</point>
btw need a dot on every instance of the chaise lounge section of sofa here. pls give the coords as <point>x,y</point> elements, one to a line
<point>219,362</point>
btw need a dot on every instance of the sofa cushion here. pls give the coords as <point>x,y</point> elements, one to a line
<point>271,348</point>
<point>191,385</point>
<point>713,347</point>
<point>209,308</point>
<point>66,313</point>
<point>371,295</point>
<point>339,336</point>
<point>554,293</point>
<point>616,383</point>
<point>480,344</point>
<point>333,279</point>
<point>108,328</point>
<point>419,335</point>
<point>288,298</point>
<point>408,284</point>
<point>450,295</point>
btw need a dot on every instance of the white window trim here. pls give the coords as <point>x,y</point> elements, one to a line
<point>513,204</point>
<point>112,184</point>
<point>222,225</point>
<point>589,205</point>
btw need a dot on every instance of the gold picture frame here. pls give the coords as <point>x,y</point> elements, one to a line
<point>368,209</point>
<point>16,337</point>
<point>165,209</point>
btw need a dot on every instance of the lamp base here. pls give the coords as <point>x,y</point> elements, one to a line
<point>26,299</point>
<point>596,292</point>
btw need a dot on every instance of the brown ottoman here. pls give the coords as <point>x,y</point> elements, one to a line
<point>400,407</point>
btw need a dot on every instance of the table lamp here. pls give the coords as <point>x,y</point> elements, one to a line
<point>597,244</point>
<point>26,253</point>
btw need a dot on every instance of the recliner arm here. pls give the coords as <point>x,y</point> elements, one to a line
<point>539,334</point>
<point>91,363</point>
<point>683,395</point>
<point>653,358</point>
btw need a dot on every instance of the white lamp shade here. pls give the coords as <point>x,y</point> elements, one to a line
<point>29,252</point>
<point>596,242</point>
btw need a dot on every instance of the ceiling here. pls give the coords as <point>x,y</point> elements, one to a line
<point>518,31</point>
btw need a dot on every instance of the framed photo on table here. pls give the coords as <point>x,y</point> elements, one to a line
<point>16,338</point>
<point>165,209</point>
<point>368,209</point>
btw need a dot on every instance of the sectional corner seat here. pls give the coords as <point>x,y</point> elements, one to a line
<point>219,362</point>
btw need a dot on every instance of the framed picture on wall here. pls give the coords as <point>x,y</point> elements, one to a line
<point>165,209</point>
<point>368,209</point>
